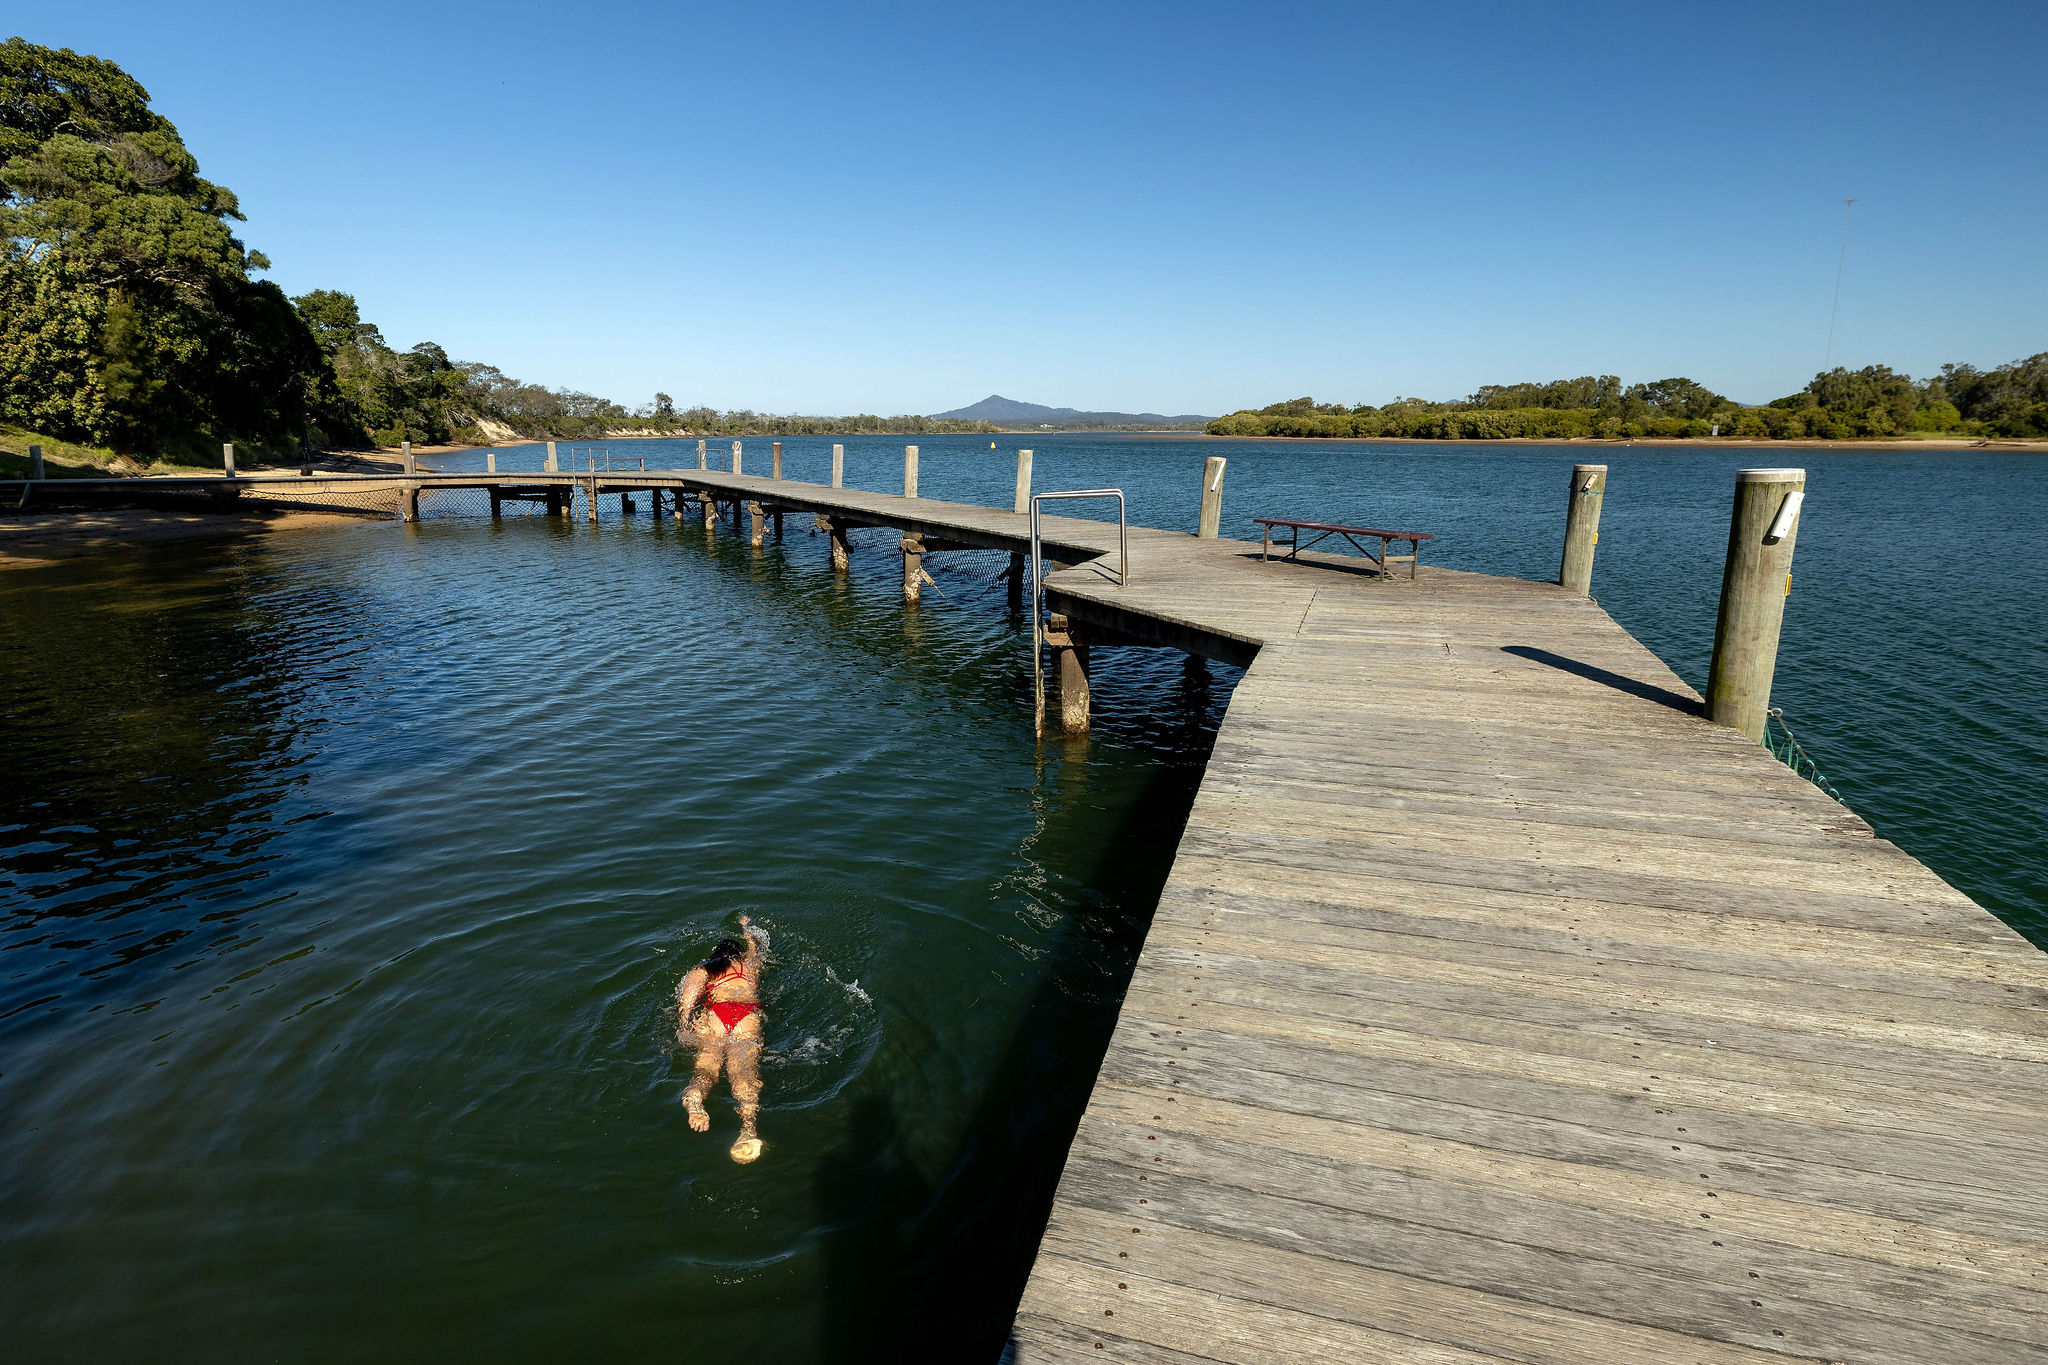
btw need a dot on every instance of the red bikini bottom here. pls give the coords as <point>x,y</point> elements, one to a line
<point>731,1012</point>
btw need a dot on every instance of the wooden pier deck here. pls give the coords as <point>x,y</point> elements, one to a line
<point>1499,1007</point>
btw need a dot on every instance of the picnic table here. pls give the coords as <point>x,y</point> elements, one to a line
<point>1325,529</point>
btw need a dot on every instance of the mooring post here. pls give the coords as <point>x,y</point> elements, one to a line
<point>490,462</point>
<point>1070,671</point>
<point>913,564</point>
<point>754,520</point>
<point>735,457</point>
<point>409,491</point>
<point>1023,481</point>
<point>838,466</point>
<point>1582,527</point>
<point>775,462</point>
<point>496,498</point>
<point>710,510</point>
<point>700,456</point>
<point>551,466</point>
<point>1758,578</point>
<point>910,471</point>
<point>227,459</point>
<point>1212,498</point>
<point>35,462</point>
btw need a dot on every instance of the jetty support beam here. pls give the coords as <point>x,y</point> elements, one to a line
<point>914,576</point>
<point>1070,674</point>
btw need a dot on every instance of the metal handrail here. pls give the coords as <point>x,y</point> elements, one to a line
<point>612,463</point>
<point>1123,580</point>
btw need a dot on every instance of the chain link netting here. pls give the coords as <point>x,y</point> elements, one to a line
<point>1786,748</point>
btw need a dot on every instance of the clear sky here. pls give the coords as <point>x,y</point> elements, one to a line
<point>1185,207</point>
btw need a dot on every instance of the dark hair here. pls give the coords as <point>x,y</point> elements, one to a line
<point>728,951</point>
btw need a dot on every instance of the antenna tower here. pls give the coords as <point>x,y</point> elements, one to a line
<point>1840,261</point>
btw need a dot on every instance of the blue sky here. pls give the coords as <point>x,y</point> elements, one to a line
<point>1186,207</point>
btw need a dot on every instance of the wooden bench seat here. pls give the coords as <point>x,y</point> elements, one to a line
<point>1325,529</point>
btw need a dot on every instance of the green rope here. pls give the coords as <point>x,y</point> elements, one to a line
<point>1778,738</point>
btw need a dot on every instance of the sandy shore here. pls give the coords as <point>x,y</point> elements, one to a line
<point>35,539</point>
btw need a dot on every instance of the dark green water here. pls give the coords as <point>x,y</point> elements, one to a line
<point>346,877</point>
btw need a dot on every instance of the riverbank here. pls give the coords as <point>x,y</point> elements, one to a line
<point>2003,444</point>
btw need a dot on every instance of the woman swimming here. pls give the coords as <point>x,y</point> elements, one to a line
<point>728,1032</point>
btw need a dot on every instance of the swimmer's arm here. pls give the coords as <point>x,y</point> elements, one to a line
<point>689,993</point>
<point>757,939</point>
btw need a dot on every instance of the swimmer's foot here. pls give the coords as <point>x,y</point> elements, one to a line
<point>746,1149</point>
<point>699,1120</point>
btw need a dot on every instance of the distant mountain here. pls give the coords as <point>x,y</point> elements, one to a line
<point>1011,413</point>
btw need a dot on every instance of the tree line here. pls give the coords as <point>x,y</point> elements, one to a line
<point>132,317</point>
<point>1839,404</point>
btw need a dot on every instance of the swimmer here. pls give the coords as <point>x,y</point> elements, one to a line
<point>728,1032</point>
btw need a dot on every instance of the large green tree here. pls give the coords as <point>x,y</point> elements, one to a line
<point>127,313</point>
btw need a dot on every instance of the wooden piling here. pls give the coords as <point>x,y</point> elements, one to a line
<point>1754,585</point>
<point>1212,498</point>
<point>1070,674</point>
<point>910,471</point>
<point>227,460</point>
<point>775,462</point>
<point>913,565</point>
<point>701,456</point>
<point>1582,527</point>
<point>837,538</point>
<point>490,462</point>
<point>735,457</point>
<point>1023,481</point>
<point>552,466</point>
<point>710,510</point>
<point>754,520</point>
<point>838,466</point>
<point>411,465</point>
<point>497,498</point>
<point>35,462</point>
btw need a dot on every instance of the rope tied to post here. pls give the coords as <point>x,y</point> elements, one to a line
<point>1785,747</point>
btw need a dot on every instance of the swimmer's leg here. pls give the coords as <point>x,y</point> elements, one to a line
<point>743,1070</point>
<point>710,1054</point>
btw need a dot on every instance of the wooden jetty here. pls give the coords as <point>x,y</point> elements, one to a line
<point>1500,1007</point>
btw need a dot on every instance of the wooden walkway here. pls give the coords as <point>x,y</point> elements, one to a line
<point>1500,1008</point>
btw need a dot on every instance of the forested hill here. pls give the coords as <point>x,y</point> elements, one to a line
<point>1009,412</point>
<point>134,319</point>
<point>1840,404</point>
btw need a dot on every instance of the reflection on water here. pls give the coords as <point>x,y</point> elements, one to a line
<point>349,877</point>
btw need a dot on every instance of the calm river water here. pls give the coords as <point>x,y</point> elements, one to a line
<point>346,877</point>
